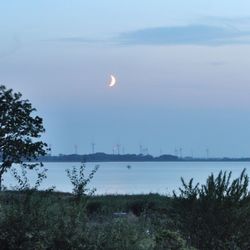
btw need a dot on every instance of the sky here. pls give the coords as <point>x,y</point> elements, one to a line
<point>182,70</point>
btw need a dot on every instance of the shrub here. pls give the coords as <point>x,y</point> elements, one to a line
<point>80,181</point>
<point>215,213</point>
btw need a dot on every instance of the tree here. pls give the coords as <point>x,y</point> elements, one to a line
<point>19,132</point>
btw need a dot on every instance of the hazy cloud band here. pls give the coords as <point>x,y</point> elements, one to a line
<point>185,35</point>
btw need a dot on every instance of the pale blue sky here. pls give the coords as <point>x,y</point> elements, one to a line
<point>182,70</point>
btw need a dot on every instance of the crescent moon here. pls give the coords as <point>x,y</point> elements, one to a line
<point>112,81</point>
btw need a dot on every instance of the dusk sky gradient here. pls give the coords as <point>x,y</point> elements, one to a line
<point>183,72</point>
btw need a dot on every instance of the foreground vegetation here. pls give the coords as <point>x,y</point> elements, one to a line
<point>215,215</point>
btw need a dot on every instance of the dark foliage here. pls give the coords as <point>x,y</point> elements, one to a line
<point>49,220</point>
<point>19,131</point>
<point>216,215</point>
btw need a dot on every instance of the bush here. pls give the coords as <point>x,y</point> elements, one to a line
<point>214,214</point>
<point>80,181</point>
<point>34,220</point>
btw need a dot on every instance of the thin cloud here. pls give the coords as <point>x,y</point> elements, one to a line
<point>185,35</point>
<point>210,31</point>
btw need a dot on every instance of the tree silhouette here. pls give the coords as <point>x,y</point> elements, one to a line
<point>19,131</point>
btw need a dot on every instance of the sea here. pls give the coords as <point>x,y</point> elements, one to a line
<point>131,177</point>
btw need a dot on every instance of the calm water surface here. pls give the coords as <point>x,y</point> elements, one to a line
<point>141,178</point>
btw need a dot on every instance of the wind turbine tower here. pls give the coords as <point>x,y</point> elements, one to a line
<point>118,148</point>
<point>180,151</point>
<point>141,149</point>
<point>93,147</point>
<point>76,149</point>
<point>207,153</point>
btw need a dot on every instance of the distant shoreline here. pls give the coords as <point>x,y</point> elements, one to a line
<point>103,157</point>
